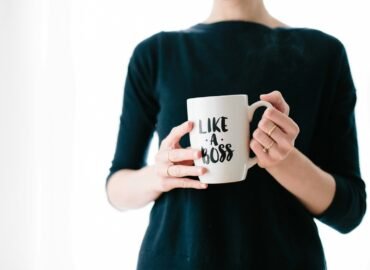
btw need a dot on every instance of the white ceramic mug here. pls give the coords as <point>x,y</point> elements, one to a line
<point>221,132</point>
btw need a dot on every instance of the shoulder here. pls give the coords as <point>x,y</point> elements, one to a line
<point>314,46</point>
<point>319,40</point>
<point>153,45</point>
<point>159,45</point>
<point>147,45</point>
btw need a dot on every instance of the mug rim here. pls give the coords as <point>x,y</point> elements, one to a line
<point>219,96</point>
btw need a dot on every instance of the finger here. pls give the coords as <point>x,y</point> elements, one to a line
<point>176,133</point>
<point>282,140</point>
<point>178,170</point>
<point>182,170</point>
<point>277,100</point>
<point>277,135</point>
<point>273,153</point>
<point>184,154</point>
<point>258,150</point>
<point>266,125</point>
<point>276,153</point>
<point>282,120</point>
<point>171,183</point>
<point>175,155</point>
<point>189,162</point>
<point>262,137</point>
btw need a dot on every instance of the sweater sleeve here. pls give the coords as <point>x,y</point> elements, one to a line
<point>139,112</point>
<point>336,152</point>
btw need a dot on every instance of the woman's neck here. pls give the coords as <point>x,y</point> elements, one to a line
<point>245,10</point>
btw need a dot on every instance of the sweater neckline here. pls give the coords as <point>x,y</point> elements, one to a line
<point>236,25</point>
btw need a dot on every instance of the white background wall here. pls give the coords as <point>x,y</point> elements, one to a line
<point>62,68</point>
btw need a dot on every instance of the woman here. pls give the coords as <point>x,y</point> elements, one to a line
<point>266,222</point>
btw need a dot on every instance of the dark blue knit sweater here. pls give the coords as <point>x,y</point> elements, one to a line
<point>252,224</point>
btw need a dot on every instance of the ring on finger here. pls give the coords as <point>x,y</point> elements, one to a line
<point>265,149</point>
<point>271,130</point>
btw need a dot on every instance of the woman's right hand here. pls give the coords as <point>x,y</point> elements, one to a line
<point>173,163</point>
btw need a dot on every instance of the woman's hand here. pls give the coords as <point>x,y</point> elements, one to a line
<point>172,162</point>
<point>282,137</point>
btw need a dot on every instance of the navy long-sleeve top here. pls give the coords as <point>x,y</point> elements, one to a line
<point>257,223</point>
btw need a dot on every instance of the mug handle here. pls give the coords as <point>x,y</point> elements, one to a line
<point>251,109</point>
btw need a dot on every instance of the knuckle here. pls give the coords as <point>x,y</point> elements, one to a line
<point>293,130</point>
<point>283,147</point>
<point>286,147</point>
<point>257,132</point>
<point>253,144</point>
<point>175,155</point>
<point>262,123</point>
<point>287,109</point>
<point>298,130</point>
<point>186,154</point>
<point>182,154</point>
<point>175,136</point>
<point>278,93</point>
<point>269,111</point>
<point>172,155</point>
<point>176,170</point>
<point>164,142</point>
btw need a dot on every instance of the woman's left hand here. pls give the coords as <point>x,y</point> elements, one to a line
<point>281,140</point>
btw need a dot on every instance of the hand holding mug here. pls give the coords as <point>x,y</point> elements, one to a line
<point>274,138</point>
<point>173,163</point>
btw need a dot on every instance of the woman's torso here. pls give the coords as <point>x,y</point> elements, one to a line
<point>256,223</point>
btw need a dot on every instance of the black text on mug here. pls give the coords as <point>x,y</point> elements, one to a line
<point>215,150</point>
